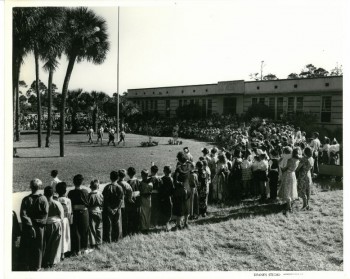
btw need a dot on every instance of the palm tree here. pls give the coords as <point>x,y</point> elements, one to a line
<point>51,49</point>
<point>96,103</point>
<point>87,39</point>
<point>23,21</point>
<point>74,105</point>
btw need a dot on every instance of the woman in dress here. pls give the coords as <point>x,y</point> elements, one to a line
<point>53,230</point>
<point>165,192</point>
<point>220,179</point>
<point>61,189</point>
<point>146,187</point>
<point>288,191</point>
<point>304,178</point>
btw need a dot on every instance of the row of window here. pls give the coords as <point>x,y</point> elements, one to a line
<point>295,86</point>
<point>296,105</point>
<point>149,105</point>
<point>167,92</point>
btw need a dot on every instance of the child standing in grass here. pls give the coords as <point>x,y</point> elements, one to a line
<point>61,189</point>
<point>273,174</point>
<point>55,180</point>
<point>246,173</point>
<point>180,198</point>
<point>95,206</point>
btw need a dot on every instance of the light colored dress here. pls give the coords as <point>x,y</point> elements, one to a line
<point>288,189</point>
<point>66,240</point>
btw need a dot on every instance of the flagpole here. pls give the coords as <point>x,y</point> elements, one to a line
<point>118,80</point>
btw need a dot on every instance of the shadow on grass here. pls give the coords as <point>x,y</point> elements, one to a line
<point>240,213</point>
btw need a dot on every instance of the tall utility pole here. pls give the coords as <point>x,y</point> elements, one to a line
<point>118,81</point>
<point>261,69</point>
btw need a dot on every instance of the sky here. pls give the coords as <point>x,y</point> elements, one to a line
<point>179,43</point>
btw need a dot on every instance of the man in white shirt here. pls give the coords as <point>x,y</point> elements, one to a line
<point>54,180</point>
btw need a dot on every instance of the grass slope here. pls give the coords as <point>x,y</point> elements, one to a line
<point>240,238</point>
<point>92,161</point>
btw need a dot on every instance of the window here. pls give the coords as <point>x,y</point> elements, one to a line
<point>185,102</point>
<point>191,101</point>
<point>210,106</point>
<point>290,107</point>
<point>180,103</point>
<point>327,84</point>
<point>156,104</point>
<point>258,87</point>
<point>326,109</point>
<point>136,93</point>
<point>182,91</point>
<point>204,108</point>
<point>261,100</point>
<point>295,85</point>
<point>151,104</point>
<point>300,104</point>
<point>206,90</point>
<point>276,86</point>
<point>167,108</point>
<point>153,93</point>
<point>144,93</point>
<point>272,105</point>
<point>197,101</point>
<point>142,105</point>
<point>194,91</point>
<point>229,106</point>
<point>146,105</point>
<point>254,101</point>
<point>279,107</point>
<point>167,92</point>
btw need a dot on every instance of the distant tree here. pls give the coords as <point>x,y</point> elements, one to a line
<point>74,105</point>
<point>310,71</point>
<point>32,90</point>
<point>254,76</point>
<point>293,76</point>
<point>270,77</point>
<point>337,71</point>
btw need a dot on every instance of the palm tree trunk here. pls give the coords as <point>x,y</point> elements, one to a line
<point>63,103</point>
<point>36,56</point>
<point>49,110</point>
<point>94,119</point>
<point>17,108</point>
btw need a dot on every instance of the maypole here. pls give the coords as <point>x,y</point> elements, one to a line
<point>118,81</point>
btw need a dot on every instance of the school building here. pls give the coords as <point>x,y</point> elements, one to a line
<point>320,96</point>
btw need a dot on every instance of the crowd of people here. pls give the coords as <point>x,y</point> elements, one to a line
<point>268,162</point>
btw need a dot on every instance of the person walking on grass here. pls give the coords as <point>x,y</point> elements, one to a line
<point>53,230</point>
<point>80,225</point>
<point>113,196</point>
<point>95,200</point>
<point>304,177</point>
<point>100,135</point>
<point>288,191</point>
<point>90,134</point>
<point>111,135</point>
<point>34,211</point>
<point>122,137</point>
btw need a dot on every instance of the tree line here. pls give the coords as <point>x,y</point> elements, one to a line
<point>308,71</point>
<point>48,33</point>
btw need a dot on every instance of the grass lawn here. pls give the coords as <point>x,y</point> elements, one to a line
<point>245,237</point>
<point>241,238</point>
<point>91,160</point>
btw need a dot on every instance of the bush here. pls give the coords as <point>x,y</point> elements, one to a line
<point>149,143</point>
